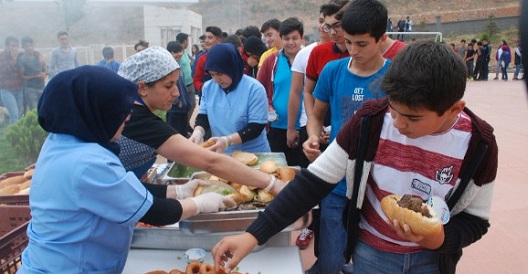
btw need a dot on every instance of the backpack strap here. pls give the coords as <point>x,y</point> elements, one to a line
<point>352,222</point>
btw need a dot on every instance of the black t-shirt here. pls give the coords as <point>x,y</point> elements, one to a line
<point>144,133</point>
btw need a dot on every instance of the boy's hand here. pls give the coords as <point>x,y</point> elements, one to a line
<point>231,250</point>
<point>311,148</point>
<point>405,232</point>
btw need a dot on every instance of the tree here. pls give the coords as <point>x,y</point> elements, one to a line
<point>72,10</point>
<point>491,28</point>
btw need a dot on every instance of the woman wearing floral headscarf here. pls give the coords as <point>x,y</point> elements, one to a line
<point>234,105</point>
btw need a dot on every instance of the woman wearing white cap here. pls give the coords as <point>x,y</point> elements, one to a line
<point>146,135</point>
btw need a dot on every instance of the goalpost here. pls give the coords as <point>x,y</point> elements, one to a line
<point>416,36</point>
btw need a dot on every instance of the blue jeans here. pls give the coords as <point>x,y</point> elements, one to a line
<point>367,259</point>
<point>517,70</point>
<point>332,236</point>
<point>31,97</point>
<point>13,101</point>
<point>504,72</point>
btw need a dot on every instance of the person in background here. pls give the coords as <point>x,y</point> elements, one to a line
<point>296,103</point>
<point>270,30</point>
<point>11,89</point>
<point>178,115</point>
<point>486,52</point>
<point>462,49</point>
<point>254,48</point>
<point>195,50</point>
<point>234,106</point>
<point>108,60</point>
<point>146,135</point>
<point>63,57</point>
<point>275,74</point>
<point>251,31</point>
<point>469,57</point>
<point>390,26</point>
<point>237,42</point>
<point>141,45</point>
<point>96,202</point>
<point>185,65</point>
<point>453,47</point>
<point>213,36</point>
<point>33,72</point>
<point>480,63</point>
<point>504,60</point>
<point>518,62</point>
<point>424,124</point>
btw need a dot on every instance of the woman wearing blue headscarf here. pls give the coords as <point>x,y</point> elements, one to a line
<point>84,204</point>
<point>234,106</point>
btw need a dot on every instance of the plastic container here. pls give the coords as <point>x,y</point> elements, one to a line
<point>195,255</point>
<point>13,238</point>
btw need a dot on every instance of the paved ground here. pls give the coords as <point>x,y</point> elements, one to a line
<point>505,248</point>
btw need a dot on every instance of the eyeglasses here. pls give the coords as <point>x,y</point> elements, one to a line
<point>336,26</point>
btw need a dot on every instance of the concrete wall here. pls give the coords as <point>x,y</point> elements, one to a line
<point>162,24</point>
<point>471,26</point>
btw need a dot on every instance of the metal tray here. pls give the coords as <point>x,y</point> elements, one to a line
<point>228,221</point>
<point>182,172</point>
<point>172,237</point>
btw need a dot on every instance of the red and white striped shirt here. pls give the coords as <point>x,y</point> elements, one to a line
<point>424,167</point>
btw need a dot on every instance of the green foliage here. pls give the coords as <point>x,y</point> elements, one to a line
<point>26,137</point>
<point>491,28</point>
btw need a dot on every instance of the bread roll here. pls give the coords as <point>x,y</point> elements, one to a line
<point>249,159</point>
<point>9,189</point>
<point>29,174</point>
<point>208,143</point>
<point>419,224</point>
<point>269,167</point>
<point>12,180</point>
<point>286,173</point>
<point>264,197</point>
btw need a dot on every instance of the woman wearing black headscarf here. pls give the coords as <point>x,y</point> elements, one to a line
<point>84,205</point>
<point>234,106</point>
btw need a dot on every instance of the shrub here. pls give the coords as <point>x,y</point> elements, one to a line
<point>26,136</point>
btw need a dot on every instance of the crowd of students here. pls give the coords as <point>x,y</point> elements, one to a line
<point>363,115</point>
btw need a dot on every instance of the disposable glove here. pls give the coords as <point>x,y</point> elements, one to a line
<point>212,202</point>
<point>197,135</point>
<point>187,190</point>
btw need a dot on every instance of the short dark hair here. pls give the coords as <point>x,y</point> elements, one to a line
<point>332,7</point>
<point>10,39</point>
<point>216,31</point>
<point>251,31</point>
<point>289,25</point>
<point>141,43</point>
<point>233,39</point>
<point>426,74</point>
<point>463,40</point>
<point>354,21</point>
<point>181,37</point>
<point>202,37</point>
<point>108,53</point>
<point>61,33</point>
<point>26,40</point>
<point>174,47</point>
<point>272,23</point>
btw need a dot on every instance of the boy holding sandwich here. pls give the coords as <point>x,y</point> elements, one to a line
<point>422,140</point>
